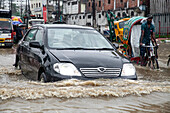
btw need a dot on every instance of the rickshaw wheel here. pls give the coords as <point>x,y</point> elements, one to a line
<point>153,63</point>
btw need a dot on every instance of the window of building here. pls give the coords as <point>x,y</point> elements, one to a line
<point>99,15</point>
<point>118,14</point>
<point>32,6</point>
<point>79,17</point>
<point>108,1</point>
<point>74,3</point>
<point>125,5</point>
<point>121,0</point>
<point>132,14</point>
<point>83,17</point>
<point>103,13</point>
<point>89,16</point>
<point>39,4</point>
<point>124,14</point>
<point>99,3</point>
<point>68,3</point>
<point>36,4</point>
<point>72,18</point>
<point>89,4</point>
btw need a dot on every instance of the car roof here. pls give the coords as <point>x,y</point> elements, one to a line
<point>63,26</point>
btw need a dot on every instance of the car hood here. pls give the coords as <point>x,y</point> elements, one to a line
<point>89,58</point>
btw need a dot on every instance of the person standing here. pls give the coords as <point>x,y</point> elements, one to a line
<point>147,35</point>
<point>19,33</point>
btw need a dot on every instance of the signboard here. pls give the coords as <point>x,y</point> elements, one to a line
<point>45,14</point>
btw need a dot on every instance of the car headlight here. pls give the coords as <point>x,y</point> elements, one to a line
<point>128,70</point>
<point>66,69</point>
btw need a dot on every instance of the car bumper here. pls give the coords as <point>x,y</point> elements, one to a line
<point>6,44</point>
<point>57,77</point>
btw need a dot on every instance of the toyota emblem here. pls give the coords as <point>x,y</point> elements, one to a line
<point>101,69</point>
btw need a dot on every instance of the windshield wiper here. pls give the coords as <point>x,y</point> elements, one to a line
<point>74,48</point>
<point>80,48</point>
<point>105,49</point>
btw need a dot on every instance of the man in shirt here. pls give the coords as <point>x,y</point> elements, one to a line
<point>147,35</point>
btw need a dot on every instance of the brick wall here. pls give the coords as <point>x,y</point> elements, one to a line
<point>108,6</point>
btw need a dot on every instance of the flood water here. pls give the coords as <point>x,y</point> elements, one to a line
<point>150,93</point>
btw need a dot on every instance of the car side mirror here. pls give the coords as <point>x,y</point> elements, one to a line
<point>35,44</point>
<point>116,45</point>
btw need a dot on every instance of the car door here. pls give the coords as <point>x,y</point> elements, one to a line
<point>25,51</point>
<point>36,54</point>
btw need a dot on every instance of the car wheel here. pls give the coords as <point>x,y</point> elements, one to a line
<point>43,78</point>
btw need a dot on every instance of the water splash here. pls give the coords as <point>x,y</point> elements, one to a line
<point>80,89</point>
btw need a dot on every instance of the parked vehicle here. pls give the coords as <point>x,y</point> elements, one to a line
<point>34,22</point>
<point>52,52</point>
<point>6,29</point>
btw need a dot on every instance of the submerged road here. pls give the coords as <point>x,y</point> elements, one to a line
<point>150,93</point>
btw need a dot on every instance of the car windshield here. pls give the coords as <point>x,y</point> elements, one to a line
<point>6,25</point>
<point>61,38</point>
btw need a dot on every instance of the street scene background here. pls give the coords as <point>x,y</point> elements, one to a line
<point>150,93</point>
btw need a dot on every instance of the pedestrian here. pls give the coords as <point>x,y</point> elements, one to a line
<point>147,35</point>
<point>19,33</point>
<point>23,28</point>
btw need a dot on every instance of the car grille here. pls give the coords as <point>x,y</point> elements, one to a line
<point>101,72</point>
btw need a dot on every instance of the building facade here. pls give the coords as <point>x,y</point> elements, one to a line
<point>36,8</point>
<point>81,11</point>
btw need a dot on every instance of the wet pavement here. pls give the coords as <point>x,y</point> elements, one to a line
<point>150,93</point>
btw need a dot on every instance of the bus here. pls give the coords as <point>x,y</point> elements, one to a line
<point>6,29</point>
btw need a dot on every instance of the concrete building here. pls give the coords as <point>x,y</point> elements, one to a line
<point>5,4</point>
<point>20,5</point>
<point>81,12</point>
<point>36,8</point>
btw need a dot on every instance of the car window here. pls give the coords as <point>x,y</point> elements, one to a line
<point>30,35</point>
<point>39,36</point>
<point>76,38</point>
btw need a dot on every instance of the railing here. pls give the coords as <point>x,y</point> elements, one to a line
<point>166,31</point>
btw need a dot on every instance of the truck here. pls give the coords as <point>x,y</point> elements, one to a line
<point>6,29</point>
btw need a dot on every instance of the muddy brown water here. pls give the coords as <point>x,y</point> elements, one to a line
<point>150,93</point>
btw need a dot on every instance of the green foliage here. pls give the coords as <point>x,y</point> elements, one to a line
<point>162,36</point>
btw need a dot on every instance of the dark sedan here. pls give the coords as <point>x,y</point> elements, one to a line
<point>59,51</point>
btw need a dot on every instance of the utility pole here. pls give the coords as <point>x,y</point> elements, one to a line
<point>11,7</point>
<point>26,14</point>
<point>21,8</point>
<point>58,10</point>
<point>94,13</point>
<point>3,4</point>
